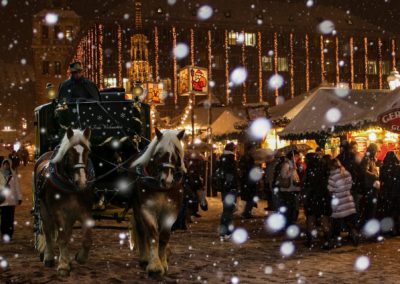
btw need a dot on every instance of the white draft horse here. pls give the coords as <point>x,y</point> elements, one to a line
<point>64,197</point>
<point>157,199</point>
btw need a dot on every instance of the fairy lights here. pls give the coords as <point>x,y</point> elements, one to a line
<point>307,63</point>
<point>226,67</point>
<point>276,60</point>
<point>366,62</point>
<point>91,55</point>
<point>95,55</point>
<point>351,62</point>
<point>101,65</point>
<point>337,60</point>
<point>119,46</point>
<point>260,71</point>
<point>209,56</point>
<point>321,44</point>
<point>244,95</point>
<point>192,50</point>
<point>291,65</point>
<point>393,53</point>
<point>156,54</point>
<point>175,85</point>
<point>380,63</point>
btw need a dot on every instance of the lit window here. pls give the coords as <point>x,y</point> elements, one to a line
<point>68,32</point>
<point>267,64</point>
<point>283,64</point>
<point>358,86</point>
<point>45,67</point>
<point>110,82</point>
<point>372,68</point>
<point>236,38</point>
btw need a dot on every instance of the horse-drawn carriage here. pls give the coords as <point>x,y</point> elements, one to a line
<point>95,159</point>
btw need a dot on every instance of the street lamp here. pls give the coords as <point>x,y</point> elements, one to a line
<point>394,79</point>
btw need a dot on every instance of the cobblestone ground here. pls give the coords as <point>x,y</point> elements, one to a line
<point>200,257</point>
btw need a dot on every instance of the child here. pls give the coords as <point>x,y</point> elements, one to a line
<point>343,206</point>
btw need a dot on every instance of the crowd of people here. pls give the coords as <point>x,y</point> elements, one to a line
<point>337,194</point>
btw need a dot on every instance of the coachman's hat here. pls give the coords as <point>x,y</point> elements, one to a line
<point>75,67</point>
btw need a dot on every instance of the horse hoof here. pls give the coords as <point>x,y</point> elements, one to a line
<point>49,263</point>
<point>41,256</point>
<point>81,258</point>
<point>63,272</point>
<point>155,271</point>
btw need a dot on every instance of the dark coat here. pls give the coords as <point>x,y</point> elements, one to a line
<point>228,172</point>
<point>248,186</point>
<point>370,174</point>
<point>349,161</point>
<point>72,89</point>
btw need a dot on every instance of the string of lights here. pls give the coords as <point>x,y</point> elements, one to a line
<point>337,60</point>
<point>260,70</point>
<point>393,53</point>
<point>291,65</point>
<point>192,48</point>
<point>175,84</point>
<point>307,63</point>
<point>380,63</point>
<point>366,83</point>
<point>91,55</point>
<point>244,85</point>
<point>351,62</point>
<point>276,60</point>
<point>156,54</point>
<point>322,47</point>
<point>95,54</point>
<point>226,67</point>
<point>101,62</point>
<point>209,56</point>
<point>119,46</point>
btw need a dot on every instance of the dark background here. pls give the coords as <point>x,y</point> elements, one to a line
<point>16,27</point>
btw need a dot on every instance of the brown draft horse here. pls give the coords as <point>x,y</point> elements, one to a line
<point>157,199</point>
<point>64,197</point>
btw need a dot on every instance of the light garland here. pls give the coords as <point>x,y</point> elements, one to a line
<point>95,54</point>
<point>187,112</point>
<point>175,66</point>
<point>307,63</point>
<point>260,71</point>
<point>393,53</point>
<point>91,55</point>
<point>380,63</point>
<point>226,67</point>
<point>291,43</point>
<point>276,60</point>
<point>101,63</point>
<point>366,62</point>
<point>337,60</point>
<point>119,46</point>
<point>321,44</point>
<point>244,95</point>
<point>192,49</point>
<point>156,54</point>
<point>351,62</point>
<point>209,56</point>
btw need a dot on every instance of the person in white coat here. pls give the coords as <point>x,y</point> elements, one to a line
<point>10,188</point>
<point>343,207</point>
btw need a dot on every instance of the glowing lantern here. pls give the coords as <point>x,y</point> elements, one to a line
<point>193,80</point>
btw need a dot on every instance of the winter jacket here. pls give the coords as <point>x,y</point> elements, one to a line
<point>72,89</point>
<point>228,171</point>
<point>288,171</point>
<point>339,186</point>
<point>370,173</point>
<point>10,186</point>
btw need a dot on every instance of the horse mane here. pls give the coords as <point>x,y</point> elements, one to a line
<point>66,144</point>
<point>169,142</point>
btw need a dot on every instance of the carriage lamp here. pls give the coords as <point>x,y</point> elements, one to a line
<point>51,93</point>
<point>394,79</point>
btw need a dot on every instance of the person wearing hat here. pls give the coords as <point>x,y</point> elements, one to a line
<point>77,87</point>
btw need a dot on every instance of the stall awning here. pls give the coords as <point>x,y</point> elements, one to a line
<point>313,121</point>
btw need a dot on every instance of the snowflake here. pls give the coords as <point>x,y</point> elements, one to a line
<point>123,115</point>
<point>99,117</point>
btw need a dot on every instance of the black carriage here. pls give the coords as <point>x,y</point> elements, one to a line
<point>120,130</point>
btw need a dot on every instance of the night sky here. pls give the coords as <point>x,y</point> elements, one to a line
<point>16,31</point>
